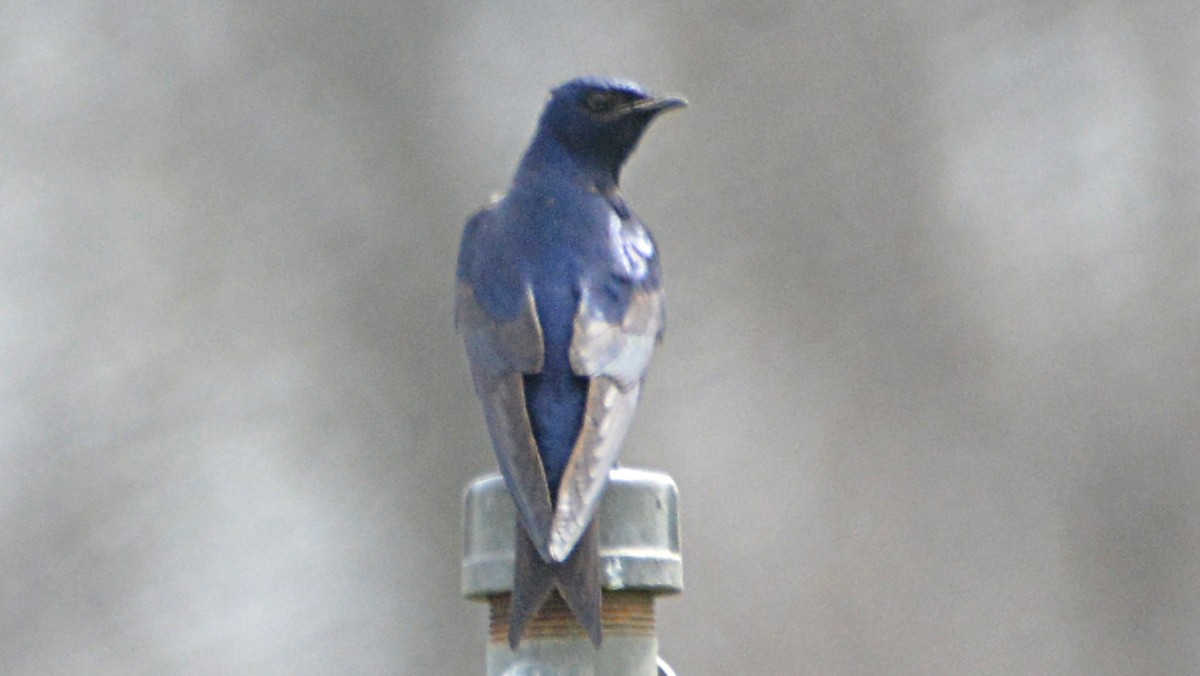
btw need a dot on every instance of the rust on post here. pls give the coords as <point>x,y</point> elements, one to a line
<point>623,613</point>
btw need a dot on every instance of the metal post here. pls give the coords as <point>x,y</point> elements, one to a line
<point>639,549</point>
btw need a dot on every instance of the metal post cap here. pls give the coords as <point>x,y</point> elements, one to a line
<point>639,534</point>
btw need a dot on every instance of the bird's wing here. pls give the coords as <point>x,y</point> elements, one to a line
<point>500,352</point>
<point>615,357</point>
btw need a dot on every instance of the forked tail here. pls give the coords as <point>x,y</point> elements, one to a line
<point>577,580</point>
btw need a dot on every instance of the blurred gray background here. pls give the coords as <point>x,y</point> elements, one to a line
<point>930,389</point>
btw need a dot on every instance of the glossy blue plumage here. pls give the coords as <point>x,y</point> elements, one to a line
<point>560,288</point>
<point>552,228</point>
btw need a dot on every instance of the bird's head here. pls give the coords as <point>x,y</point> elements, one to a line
<point>599,120</point>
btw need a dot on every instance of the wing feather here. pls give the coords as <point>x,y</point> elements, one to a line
<point>500,352</point>
<point>615,357</point>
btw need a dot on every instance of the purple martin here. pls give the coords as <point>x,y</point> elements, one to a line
<point>559,305</point>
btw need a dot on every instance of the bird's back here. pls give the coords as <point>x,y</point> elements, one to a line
<point>561,227</point>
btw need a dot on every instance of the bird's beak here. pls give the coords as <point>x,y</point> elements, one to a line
<point>658,104</point>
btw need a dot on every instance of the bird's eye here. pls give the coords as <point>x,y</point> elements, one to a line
<point>600,102</point>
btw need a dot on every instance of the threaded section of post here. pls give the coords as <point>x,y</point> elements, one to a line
<point>622,613</point>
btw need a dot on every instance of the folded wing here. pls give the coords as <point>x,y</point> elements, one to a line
<point>499,353</point>
<point>615,357</point>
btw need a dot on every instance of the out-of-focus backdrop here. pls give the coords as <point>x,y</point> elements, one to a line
<point>930,389</point>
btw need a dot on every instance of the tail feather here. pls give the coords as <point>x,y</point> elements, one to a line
<point>577,579</point>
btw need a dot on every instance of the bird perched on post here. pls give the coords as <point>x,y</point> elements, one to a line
<point>559,305</point>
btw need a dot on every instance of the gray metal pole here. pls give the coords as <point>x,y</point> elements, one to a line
<point>639,548</point>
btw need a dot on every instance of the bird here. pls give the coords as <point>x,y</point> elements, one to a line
<point>559,304</point>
